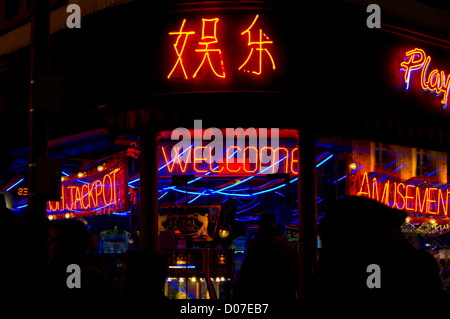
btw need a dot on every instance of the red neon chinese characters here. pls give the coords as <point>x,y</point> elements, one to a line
<point>180,50</point>
<point>259,46</point>
<point>435,81</point>
<point>208,39</point>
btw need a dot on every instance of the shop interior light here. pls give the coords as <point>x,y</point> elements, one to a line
<point>340,179</point>
<point>400,167</point>
<point>163,195</point>
<point>196,197</point>
<point>180,289</point>
<point>20,207</point>
<point>246,188</point>
<point>17,183</point>
<point>325,160</point>
<point>270,189</point>
<point>390,163</point>
<point>126,213</point>
<point>435,172</point>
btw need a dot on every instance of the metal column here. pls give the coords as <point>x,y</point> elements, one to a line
<point>148,193</point>
<point>307,217</point>
<point>40,22</point>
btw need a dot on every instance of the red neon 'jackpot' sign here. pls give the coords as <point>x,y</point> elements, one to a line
<point>234,160</point>
<point>100,193</point>
<point>209,48</point>
<point>412,198</point>
<point>434,81</point>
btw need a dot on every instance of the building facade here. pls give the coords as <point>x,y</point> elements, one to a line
<point>311,105</point>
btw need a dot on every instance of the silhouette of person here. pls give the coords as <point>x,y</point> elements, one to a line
<point>269,270</point>
<point>68,244</point>
<point>32,255</point>
<point>357,232</point>
<point>9,236</point>
<point>144,276</point>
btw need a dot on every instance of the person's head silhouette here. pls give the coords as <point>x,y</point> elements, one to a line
<point>359,222</point>
<point>267,224</point>
<point>145,274</point>
<point>69,239</point>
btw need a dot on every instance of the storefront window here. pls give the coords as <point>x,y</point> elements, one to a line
<point>100,197</point>
<point>209,203</point>
<point>410,179</point>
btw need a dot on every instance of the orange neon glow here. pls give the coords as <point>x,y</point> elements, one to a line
<point>179,51</point>
<point>435,81</point>
<point>207,40</point>
<point>408,198</point>
<point>211,168</point>
<point>256,159</point>
<point>294,160</point>
<point>258,47</point>
<point>231,148</point>
<point>176,160</point>
<point>275,159</point>
<point>102,192</point>
<point>427,200</point>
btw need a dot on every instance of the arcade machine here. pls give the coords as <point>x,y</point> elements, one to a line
<point>221,264</point>
<point>200,264</point>
<point>187,275</point>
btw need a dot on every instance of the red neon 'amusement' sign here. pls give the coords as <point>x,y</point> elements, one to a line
<point>434,81</point>
<point>102,192</point>
<point>412,198</point>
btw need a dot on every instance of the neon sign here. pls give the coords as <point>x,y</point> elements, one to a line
<point>133,151</point>
<point>412,198</point>
<point>435,81</point>
<point>199,222</point>
<point>206,41</point>
<point>210,49</point>
<point>234,160</point>
<point>102,192</point>
<point>259,47</point>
